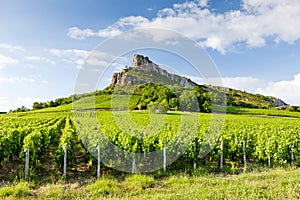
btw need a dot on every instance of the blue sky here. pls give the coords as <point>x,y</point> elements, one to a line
<point>43,44</point>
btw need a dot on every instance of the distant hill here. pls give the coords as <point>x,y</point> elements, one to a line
<point>245,99</point>
<point>151,85</point>
<point>143,70</point>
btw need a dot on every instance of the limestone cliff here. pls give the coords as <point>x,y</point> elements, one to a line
<point>144,70</point>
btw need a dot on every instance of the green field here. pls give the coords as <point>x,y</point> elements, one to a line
<point>271,137</point>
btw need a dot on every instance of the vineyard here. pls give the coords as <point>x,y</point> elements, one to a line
<point>70,142</point>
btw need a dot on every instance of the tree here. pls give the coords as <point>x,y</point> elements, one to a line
<point>174,104</point>
<point>164,103</point>
<point>37,105</point>
<point>188,101</point>
<point>20,109</point>
<point>206,107</point>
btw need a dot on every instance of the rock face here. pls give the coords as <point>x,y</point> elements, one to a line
<point>279,103</point>
<point>144,70</point>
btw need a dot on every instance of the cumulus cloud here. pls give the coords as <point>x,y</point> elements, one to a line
<point>254,25</point>
<point>92,58</point>
<point>16,79</point>
<point>5,60</point>
<point>71,56</point>
<point>203,3</point>
<point>81,34</point>
<point>288,90</point>
<point>121,25</point>
<point>39,59</point>
<point>11,48</point>
<point>247,83</point>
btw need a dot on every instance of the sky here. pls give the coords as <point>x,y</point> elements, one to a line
<point>43,44</point>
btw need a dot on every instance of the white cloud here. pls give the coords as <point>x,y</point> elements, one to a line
<point>81,57</point>
<point>121,25</point>
<point>16,79</point>
<point>71,56</point>
<point>258,22</point>
<point>203,3</point>
<point>39,59</point>
<point>96,62</point>
<point>103,59</point>
<point>5,60</point>
<point>288,90</point>
<point>249,84</point>
<point>11,48</point>
<point>79,34</point>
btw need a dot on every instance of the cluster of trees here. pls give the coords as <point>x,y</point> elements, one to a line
<point>161,98</point>
<point>20,109</point>
<point>55,103</point>
<point>155,97</point>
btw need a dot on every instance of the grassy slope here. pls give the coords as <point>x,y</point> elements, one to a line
<point>273,184</point>
<point>91,102</point>
<point>121,101</point>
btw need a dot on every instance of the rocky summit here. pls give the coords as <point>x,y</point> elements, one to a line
<point>143,70</point>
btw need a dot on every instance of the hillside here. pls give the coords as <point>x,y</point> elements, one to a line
<point>151,85</point>
<point>245,99</point>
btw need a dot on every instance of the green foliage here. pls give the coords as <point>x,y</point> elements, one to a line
<point>67,140</point>
<point>274,137</point>
<point>174,104</point>
<point>188,101</point>
<point>153,94</point>
<point>38,141</point>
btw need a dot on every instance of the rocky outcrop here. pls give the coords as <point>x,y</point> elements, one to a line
<point>279,103</point>
<point>144,70</point>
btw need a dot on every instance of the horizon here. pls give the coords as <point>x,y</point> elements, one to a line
<point>43,47</point>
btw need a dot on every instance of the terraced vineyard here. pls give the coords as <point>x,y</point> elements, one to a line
<point>267,140</point>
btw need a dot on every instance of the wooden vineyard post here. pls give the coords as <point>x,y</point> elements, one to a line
<point>99,162</point>
<point>26,170</point>
<point>292,158</point>
<point>133,166</point>
<point>195,153</point>
<point>221,157</point>
<point>165,158</point>
<point>244,156</point>
<point>65,162</point>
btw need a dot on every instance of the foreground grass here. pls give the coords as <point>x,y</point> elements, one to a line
<point>273,184</point>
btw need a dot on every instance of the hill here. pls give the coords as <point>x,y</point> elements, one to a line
<point>149,85</point>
